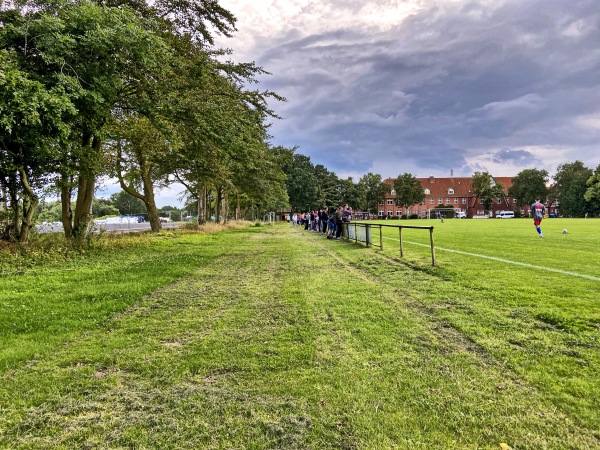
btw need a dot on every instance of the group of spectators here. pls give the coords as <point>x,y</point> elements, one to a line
<point>327,222</point>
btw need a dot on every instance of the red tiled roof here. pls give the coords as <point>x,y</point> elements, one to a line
<point>438,187</point>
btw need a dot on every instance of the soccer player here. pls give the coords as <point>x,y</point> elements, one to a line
<point>538,210</point>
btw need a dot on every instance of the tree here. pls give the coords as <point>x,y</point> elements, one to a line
<point>104,207</point>
<point>327,187</point>
<point>350,193</point>
<point>409,190</point>
<point>486,189</point>
<point>592,193</point>
<point>32,127</point>
<point>375,191</point>
<point>101,56</point>
<point>528,185</point>
<point>570,188</point>
<point>301,183</point>
<point>139,148</point>
<point>127,204</point>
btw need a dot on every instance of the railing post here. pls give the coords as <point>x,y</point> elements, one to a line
<point>401,247</point>
<point>380,237</point>
<point>432,247</point>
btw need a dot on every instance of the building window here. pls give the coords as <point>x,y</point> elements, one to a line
<point>393,192</point>
<point>514,200</point>
<point>480,202</point>
<point>390,213</point>
<point>450,191</point>
<point>431,201</point>
<point>390,201</point>
<point>399,212</point>
<point>455,201</point>
<point>463,201</point>
<point>381,213</point>
<point>427,192</point>
<point>499,201</point>
<point>440,201</point>
<point>447,201</point>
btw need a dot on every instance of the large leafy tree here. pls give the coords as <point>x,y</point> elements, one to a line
<point>301,183</point>
<point>138,150</point>
<point>375,191</point>
<point>528,185</point>
<point>32,127</point>
<point>349,193</point>
<point>101,55</point>
<point>570,188</point>
<point>592,193</point>
<point>409,190</point>
<point>127,204</point>
<point>486,189</point>
<point>327,187</point>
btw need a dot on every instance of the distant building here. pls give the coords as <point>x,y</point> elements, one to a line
<point>453,192</point>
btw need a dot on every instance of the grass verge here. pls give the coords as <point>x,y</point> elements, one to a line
<point>282,339</point>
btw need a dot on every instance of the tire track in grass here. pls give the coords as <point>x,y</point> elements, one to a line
<point>502,260</point>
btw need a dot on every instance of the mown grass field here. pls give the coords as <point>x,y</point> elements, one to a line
<point>273,337</point>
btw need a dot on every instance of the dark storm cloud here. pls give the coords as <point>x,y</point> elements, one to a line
<point>453,86</point>
<point>517,157</point>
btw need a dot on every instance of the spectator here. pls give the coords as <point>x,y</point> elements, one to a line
<point>338,222</point>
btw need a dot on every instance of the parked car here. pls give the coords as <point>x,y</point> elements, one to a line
<point>165,219</point>
<point>505,215</point>
<point>460,215</point>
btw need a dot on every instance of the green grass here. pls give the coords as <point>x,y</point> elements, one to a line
<point>273,337</point>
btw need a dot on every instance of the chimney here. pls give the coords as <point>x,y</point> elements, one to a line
<point>431,179</point>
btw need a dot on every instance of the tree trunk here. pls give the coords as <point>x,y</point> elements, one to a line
<point>4,199</point>
<point>30,202</point>
<point>85,191</point>
<point>225,207</point>
<point>202,204</point>
<point>218,198</point>
<point>149,201</point>
<point>67,213</point>
<point>238,209</point>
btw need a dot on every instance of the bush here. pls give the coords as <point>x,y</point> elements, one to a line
<point>395,218</point>
<point>413,216</point>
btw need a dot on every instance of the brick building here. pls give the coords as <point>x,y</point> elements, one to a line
<point>454,192</point>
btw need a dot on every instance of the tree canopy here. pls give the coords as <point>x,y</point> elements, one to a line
<point>409,190</point>
<point>486,189</point>
<point>528,185</point>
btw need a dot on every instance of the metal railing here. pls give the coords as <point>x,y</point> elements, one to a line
<point>363,232</point>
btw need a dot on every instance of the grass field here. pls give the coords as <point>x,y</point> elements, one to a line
<point>273,337</point>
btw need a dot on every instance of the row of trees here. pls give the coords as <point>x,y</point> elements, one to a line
<point>133,90</point>
<point>576,188</point>
<point>311,187</point>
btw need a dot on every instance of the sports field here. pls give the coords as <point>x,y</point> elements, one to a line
<point>275,337</point>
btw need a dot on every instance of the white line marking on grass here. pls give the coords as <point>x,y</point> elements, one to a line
<point>507,261</point>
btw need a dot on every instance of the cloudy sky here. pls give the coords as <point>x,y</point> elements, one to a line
<point>429,86</point>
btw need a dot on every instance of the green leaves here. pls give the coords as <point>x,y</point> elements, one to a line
<point>409,190</point>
